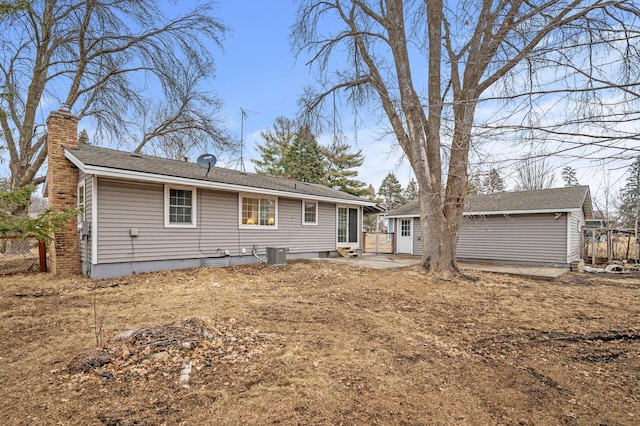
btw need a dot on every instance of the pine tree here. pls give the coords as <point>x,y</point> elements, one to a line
<point>371,193</point>
<point>41,227</point>
<point>630,196</point>
<point>493,182</point>
<point>474,185</point>
<point>390,192</point>
<point>341,165</point>
<point>277,144</point>
<point>303,160</point>
<point>569,176</point>
<point>411,191</point>
<point>83,137</point>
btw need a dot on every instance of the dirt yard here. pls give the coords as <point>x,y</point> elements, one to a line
<point>315,342</point>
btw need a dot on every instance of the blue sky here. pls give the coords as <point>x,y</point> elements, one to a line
<point>259,73</point>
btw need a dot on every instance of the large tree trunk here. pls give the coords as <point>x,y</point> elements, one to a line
<point>439,236</point>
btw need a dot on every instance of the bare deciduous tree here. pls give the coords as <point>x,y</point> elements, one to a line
<point>534,173</point>
<point>119,63</point>
<point>428,65</point>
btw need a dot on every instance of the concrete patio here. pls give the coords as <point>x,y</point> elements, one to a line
<point>384,261</point>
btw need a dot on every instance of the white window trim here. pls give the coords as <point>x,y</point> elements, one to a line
<point>253,195</point>
<point>82,215</point>
<point>305,223</point>
<point>194,203</point>
<point>354,244</point>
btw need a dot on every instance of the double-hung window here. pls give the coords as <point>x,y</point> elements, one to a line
<point>258,211</point>
<point>309,212</point>
<point>179,206</point>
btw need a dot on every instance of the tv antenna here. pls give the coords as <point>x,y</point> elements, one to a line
<point>207,161</point>
<point>243,116</point>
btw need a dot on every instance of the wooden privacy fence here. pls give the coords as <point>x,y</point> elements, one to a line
<point>378,242</point>
<point>19,255</point>
<point>607,245</point>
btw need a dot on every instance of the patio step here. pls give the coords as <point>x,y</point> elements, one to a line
<point>347,252</point>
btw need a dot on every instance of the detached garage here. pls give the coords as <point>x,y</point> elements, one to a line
<point>542,227</point>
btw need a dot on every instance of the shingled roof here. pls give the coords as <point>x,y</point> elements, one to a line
<point>110,162</point>
<point>538,201</point>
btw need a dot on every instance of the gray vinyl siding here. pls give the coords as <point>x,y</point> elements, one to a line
<point>525,238</point>
<point>417,237</point>
<point>576,223</point>
<point>125,204</point>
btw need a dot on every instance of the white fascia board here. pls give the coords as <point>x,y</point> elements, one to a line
<point>510,212</point>
<point>499,213</point>
<point>173,180</point>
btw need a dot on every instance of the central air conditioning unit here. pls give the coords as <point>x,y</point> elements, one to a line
<point>276,256</point>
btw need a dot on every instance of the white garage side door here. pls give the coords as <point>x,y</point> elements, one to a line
<point>405,236</point>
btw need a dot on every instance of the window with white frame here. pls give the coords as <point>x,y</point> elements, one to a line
<point>258,211</point>
<point>82,210</point>
<point>179,206</point>
<point>309,212</point>
<point>405,228</point>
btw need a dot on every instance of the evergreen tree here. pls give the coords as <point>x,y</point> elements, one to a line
<point>303,160</point>
<point>371,193</point>
<point>630,196</point>
<point>341,165</point>
<point>41,227</point>
<point>493,182</point>
<point>277,144</point>
<point>7,8</point>
<point>83,137</point>
<point>569,176</point>
<point>411,191</point>
<point>390,192</point>
<point>474,186</point>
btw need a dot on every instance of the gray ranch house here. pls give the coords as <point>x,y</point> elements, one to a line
<point>143,213</point>
<point>542,227</point>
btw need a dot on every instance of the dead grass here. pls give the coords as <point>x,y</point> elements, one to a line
<point>320,343</point>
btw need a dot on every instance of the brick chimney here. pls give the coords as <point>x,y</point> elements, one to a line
<point>62,190</point>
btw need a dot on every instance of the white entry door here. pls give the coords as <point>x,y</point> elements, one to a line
<point>405,236</point>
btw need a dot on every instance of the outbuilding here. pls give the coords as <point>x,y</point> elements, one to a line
<point>540,227</point>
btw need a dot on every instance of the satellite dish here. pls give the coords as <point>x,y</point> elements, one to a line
<point>207,161</point>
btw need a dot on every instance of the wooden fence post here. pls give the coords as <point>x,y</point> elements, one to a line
<point>42,250</point>
<point>593,247</point>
